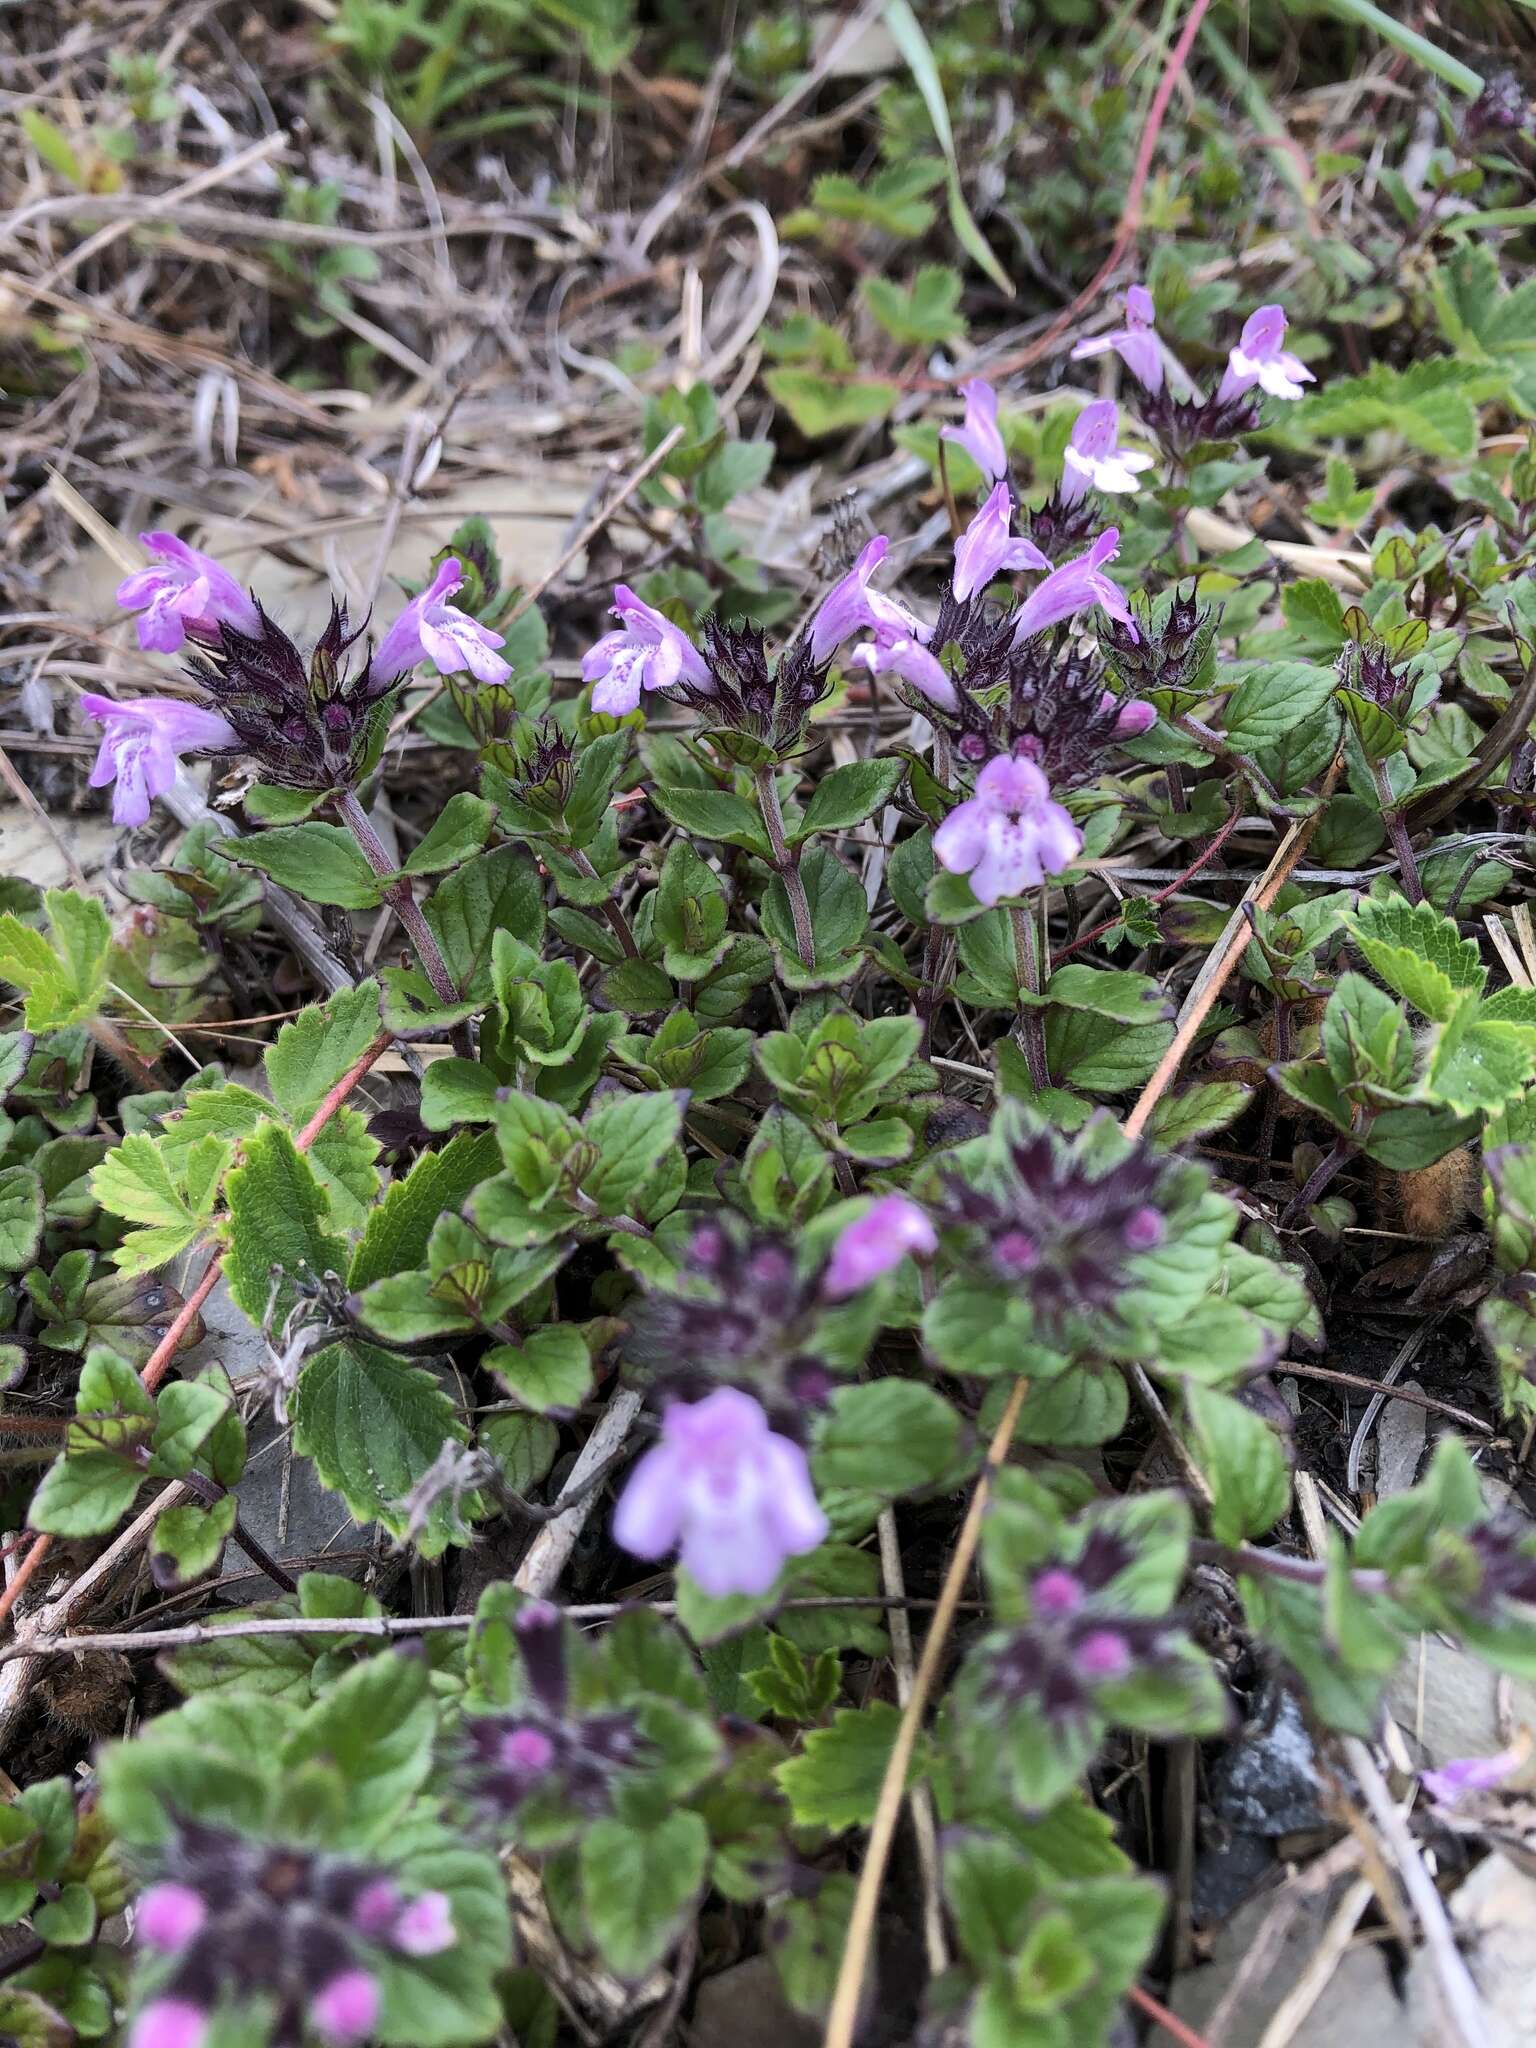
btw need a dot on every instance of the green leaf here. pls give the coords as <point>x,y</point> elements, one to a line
<point>1099,1054</point>
<point>847,796</point>
<point>1272,699</point>
<point>1476,1065</point>
<point>68,1921</point>
<point>321,863</point>
<point>460,830</point>
<point>736,467</point>
<point>497,891</point>
<point>1315,615</point>
<point>1196,1112</point>
<point>835,1781</point>
<point>907,34</point>
<point>174,1193</point>
<point>821,405</point>
<point>839,921</point>
<point>21,1217</point>
<point>186,1414</point>
<point>550,1371</point>
<point>632,1133</point>
<point>887,1437</point>
<point>186,1542</point>
<point>690,913</point>
<point>637,1884</point>
<point>716,814</point>
<point>278,1212</point>
<point>375,1726</point>
<point>64,982</point>
<point>61,157</point>
<point>922,315</point>
<point>1105,992</point>
<point>1419,953</point>
<point>313,1050</point>
<point>1243,1461</point>
<point>85,1494</point>
<point>399,1228</point>
<point>373,1425</point>
<point>457,1091</point>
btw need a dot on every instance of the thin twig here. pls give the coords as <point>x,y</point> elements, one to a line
<point>920,1799</point>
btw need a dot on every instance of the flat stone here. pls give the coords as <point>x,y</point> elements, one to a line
<point>745,2007</point>
<point>1357,2004</point>
<point>1494,1914</point>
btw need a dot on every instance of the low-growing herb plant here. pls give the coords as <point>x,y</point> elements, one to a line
<point>775,1137</point>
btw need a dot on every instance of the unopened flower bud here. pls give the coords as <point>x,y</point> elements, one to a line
<point>169,1916</point>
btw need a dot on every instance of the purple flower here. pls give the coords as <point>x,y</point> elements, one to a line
<point>142,741</point>
<point>1091,456</point>
<point>647,652</point>
<point>1261,358</point>
<point>1057,1591</point>
<point>734,1496</point>
<point>1135,715</point>
<point>169,2023</point>
<point>977,433</point>
<point>877,1241</point>
<point>346,2010</point>
<point>850,607</point>
<point>424,1927</point>
<point>901,655</point>
<point>1465,1774</point>
<point>431,629</point>
<point>1074,586</point>
<point>1136,343</point>
<point>1009,836</point>
<point>187,593</point>
<point>1103,1653</point>
<point>987,547</point>
<point>169,1915</point>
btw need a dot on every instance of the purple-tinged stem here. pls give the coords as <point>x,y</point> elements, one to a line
<point>397,895</point>
<point>1397,832</point>
<point>786,864</point>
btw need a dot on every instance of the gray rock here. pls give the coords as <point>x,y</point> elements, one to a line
<point>1494,1914</point>
<point>1358,2004</point>
<point>1266,1783</point>
<point>745,2007</point>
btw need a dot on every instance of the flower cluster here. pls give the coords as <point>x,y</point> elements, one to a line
<point>746,699</point>
<point>239,1920</point>
<point>1075,1640</point>
<point>542,1748</point>
<point>306,724</point>
<point>1170,406</point>
<point>1057,1222</point>
<point>1010,835</point>
<point>1166,652</point>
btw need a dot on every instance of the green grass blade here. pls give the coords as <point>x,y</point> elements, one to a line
<point>907,34</point>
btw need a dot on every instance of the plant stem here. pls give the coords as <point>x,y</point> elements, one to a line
<point>1318,1179</point>
<point>210,1493</point>
<point>1030,1029</point>
<point>112,1042</point>
<point>398,896</point>
<point>786,864</point>
<point>929,996</point>
<point>611,907</point>
<point>1397,832</point>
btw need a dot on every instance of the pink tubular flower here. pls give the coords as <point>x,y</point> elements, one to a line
<point>1136,343</point>
<point>1057,1591</point>
<point>1072,588</point>
<point>186,593</point>
<point>142,741</point>
<point>431,629</point>
<point>647,652</point>
<point>346,2010</point>
<point>1103,1654</point>
<point>1091,456</point>
<point>988,547</point>
<point>425,1928</point>
<point>1136,716</point>
<point>850,607</point>
<point>168,1916</point>
<point>169,2023</point>
<point>1262,358</point>
<point>732,1493</point>
<point>879,1240</point>
<point>900,655</point>
<point>978,433</point>
<point>1463,1774</point>
<point>1009,836</point>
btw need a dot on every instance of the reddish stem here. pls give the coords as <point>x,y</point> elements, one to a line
<point>1217,842</point>
<point>1169,2022</point>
